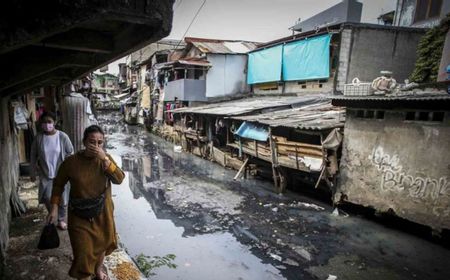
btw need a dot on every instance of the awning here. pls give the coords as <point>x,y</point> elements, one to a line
<point>252,131</point>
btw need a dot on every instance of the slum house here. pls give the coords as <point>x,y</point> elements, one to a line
<point>287,134</point>
<point>105,83</point>
<point>420,13</point>
<point>326,59</point>
<point>429,14</point>
<point>138,64</point>
<point>305,139</point>
<point>65,41</point>
<point>104,101</point>
<point>205,70</point>
<point>395,155</point>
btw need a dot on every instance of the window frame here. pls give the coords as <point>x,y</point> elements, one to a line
<point>427,13</point>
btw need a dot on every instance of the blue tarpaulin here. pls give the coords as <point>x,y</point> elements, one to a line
<point>307,59</point>
<point>252,131</point>
<point>265,65</point>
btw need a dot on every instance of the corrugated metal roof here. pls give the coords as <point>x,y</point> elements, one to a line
<point>319,116</point>
<point>406,97</point>
<point>250,105</point>
<point>203,63</point>
<point>225,47</point>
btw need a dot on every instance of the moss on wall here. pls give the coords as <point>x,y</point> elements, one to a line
<point>429,53</point>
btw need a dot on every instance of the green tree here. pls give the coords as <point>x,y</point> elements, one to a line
<point>429,53</point>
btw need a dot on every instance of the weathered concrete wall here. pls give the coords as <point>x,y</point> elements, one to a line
<point>366,50</point>
<point>406,10</point>
<point>297,87</point>
<point>399,165</point>
<point>9,174</point>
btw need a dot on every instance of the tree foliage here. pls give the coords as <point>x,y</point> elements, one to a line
<point>429,53</point>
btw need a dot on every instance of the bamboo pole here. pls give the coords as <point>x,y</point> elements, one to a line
<point>273,159</point>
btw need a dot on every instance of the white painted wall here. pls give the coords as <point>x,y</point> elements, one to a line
<point>227,75</point>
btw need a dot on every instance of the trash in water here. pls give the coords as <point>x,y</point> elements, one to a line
<point>275,209</point>
<point>177,149</point>
<point>37,220</point>
<point>331,277</point>
<point>307,205</point>
<point>275,257</point>
<point>336,212</point>
<point>291,262</point>
<point>303,253</point>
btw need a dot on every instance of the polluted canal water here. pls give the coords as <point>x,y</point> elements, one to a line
<point>172,202</point>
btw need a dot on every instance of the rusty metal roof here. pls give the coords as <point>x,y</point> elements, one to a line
<point>225,47</point>
<point>318,116</point>
<point>247,106</point>
<point>191,62</point>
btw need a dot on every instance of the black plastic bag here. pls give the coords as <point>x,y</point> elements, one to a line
<point>49,238</point>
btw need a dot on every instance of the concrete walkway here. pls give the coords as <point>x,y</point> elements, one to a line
<point>25,261</point>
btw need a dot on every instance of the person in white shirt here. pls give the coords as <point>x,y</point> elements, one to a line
<point>48,151</point>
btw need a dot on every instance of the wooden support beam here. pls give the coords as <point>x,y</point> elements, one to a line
<point>239,174</point>
<point>274,161</point>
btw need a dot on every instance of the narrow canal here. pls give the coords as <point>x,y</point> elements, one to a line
<point>176,203</point>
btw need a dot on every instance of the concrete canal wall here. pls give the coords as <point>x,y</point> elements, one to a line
<point>398,165</point>
<point>9,174</point>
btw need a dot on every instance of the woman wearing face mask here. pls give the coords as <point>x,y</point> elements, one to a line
<point>90,217</point>
<point>48,151</point>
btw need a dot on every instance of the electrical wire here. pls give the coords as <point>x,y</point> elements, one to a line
<point>192,21</point>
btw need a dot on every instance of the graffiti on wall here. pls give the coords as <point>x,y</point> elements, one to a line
<point>395,179</point>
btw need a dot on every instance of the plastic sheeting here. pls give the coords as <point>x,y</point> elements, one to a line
<point>265,65</point>
<point>252,131</point>
<point>307,59</point>
<point>333,140</point>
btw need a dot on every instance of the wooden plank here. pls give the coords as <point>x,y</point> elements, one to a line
<point>234,163</point>
<point>219,156</point>
<point>239,174</point>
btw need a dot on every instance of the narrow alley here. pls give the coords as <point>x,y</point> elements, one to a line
<point>176,203</point>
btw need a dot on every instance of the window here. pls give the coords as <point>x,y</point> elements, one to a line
<point>426,9</point>
<point>438,116</point>
<point>379,115</point>
<point>368,114</point>
<point>423,116</point>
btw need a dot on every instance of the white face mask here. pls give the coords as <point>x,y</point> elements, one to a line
<point>48,127</point>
